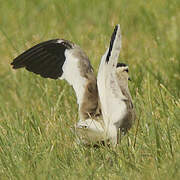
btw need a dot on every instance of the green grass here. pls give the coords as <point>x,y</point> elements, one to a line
<point>36,114</point>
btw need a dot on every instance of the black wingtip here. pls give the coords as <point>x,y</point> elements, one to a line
<point>112,42</point>
<point>14,66</point>
<point>20,61</point>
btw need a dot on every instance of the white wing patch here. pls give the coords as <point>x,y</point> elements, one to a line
<point>71,73</point>
<point>111,98</point>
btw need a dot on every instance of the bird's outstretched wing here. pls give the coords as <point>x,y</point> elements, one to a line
<point>62,59</point>
<point>111,97</point>
<point>46,58</point>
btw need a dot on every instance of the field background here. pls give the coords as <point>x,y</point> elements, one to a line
<point>36,114</point>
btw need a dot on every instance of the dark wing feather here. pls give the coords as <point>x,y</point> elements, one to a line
<point>46,58</point>
<point>111,43</point>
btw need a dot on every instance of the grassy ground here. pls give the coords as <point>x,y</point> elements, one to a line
<point>36,114</point>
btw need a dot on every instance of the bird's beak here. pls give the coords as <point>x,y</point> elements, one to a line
<point>129,79</point>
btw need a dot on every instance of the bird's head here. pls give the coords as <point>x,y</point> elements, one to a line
<point>122,71</point>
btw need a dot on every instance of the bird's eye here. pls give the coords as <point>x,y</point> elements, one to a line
<point>127,70</point>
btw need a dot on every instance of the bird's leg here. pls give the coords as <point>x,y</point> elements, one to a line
<point>119,136</point>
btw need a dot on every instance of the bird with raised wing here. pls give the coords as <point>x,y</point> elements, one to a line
<point>105,103</point>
